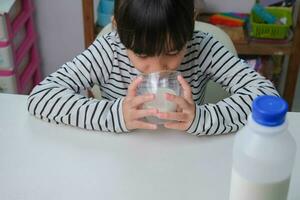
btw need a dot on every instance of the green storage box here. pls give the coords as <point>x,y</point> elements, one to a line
<point>272,31</point>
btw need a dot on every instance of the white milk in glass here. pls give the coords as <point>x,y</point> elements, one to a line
<point>160,83</point>
<point>160,102</point>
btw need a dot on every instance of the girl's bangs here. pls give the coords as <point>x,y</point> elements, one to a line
<point>156,32</point>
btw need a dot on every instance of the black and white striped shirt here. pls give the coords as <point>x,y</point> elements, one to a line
<point>105,63</point>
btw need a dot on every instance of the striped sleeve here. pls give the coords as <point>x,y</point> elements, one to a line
<point>57,99</point>
<point>241,81</point>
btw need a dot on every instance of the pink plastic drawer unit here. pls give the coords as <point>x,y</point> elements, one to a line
<point>14,54</point>
<point>22,80</point>
<point>26,44</point>
<point>24,63</point>
<point>8,82</point>
<point>13,15</point>
<point>6,57</point>
<point>31,71</point>
<point>28,87</point>
<point>21,37</point>
<point>19,58</point>
<point>8,9</point>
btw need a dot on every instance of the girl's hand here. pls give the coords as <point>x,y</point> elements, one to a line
<point>132,111</point>
<point>183,118</point>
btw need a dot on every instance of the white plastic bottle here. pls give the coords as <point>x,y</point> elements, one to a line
<point>263,153</point>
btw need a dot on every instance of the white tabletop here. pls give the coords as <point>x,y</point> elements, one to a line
<point>46,161</point>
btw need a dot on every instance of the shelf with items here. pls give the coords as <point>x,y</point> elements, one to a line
<point>20,69</point>
<point>247,47</point>
<point>282,48</point>
<point>263,49</point>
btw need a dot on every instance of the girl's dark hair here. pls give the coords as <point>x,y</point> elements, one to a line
<point>153,27</point>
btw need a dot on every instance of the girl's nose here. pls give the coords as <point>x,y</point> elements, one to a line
<point>160,63</point>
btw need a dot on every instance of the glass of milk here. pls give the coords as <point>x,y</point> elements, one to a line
<point>160,83</point>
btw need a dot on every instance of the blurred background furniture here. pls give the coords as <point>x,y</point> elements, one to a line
<point>19,58</point>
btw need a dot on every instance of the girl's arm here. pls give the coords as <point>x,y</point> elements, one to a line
<point>241,81</point>
<point>57,98</point>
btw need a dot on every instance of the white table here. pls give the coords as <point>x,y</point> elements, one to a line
<point>42,161</point>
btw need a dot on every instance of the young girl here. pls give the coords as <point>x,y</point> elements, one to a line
<point>151,36</point>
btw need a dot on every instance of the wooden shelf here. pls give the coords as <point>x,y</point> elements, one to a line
<point>290,49</point>
<point>253,48</point>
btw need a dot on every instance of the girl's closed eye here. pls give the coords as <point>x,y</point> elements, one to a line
<point>172,53</point>
<point>141,55</point>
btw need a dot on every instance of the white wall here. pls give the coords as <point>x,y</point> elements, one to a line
<point>60,32</point>
<point>229,5</point>
<point>96,2</point>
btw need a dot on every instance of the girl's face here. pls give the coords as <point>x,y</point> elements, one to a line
<point>167,61</point>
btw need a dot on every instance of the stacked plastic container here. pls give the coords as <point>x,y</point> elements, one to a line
<point>19,59</point>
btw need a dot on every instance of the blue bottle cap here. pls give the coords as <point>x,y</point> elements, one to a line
<point>269,110</point>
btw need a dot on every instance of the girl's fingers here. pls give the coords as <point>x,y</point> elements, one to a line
<point>145,113</point>
<point>139,100</point>
<point>180,101</point>
<point>133,86</point>
<point>178,109</point>
<point>174,116</point>
<point>144,125</point>
<point>175,125</point>
<point>187,90</point>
